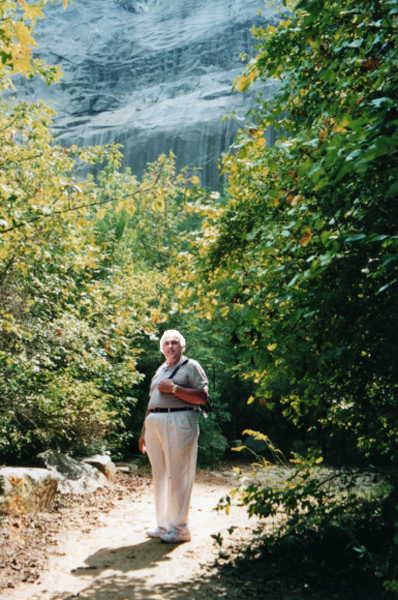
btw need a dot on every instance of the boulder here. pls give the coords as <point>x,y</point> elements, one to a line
<point>73,476</point>
<point>257,446</point>
<point>24,490</point>
<point>127,467</point>
<point>104,464</point>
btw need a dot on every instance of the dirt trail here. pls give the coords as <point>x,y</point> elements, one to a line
<point>106,556</point>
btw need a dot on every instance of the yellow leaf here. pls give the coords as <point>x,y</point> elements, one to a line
<point>271,347</point>
<point>130,209</point>
<point>344,122</point>
<point>256,435</point>
<point>22,66</point>
<point>293,200</point>
<point>195,180</point>
<point>314,43</point>
<point>101,213</point>
<point>224,311</point>
<point>242,83</point>
<point>160,204</point>
<point>155,315</point>
<point>342,125</point>
<point>32,11</point>
<point>250,400</point>
<point>253,75</point>
<point>319,460</point>
<point>23,35</point>
<point>3,253</point>
<point>306,237</point>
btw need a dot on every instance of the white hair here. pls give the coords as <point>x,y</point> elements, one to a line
<point>175,333</point>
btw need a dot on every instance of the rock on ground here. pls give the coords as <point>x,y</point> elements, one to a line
<point>73,477</point>
<point>26,490</point>
<point>104,464</point>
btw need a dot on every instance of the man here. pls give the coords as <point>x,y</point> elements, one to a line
<point>170,435</point>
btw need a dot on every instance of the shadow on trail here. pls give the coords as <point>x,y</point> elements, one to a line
<point>244,579</point>
<point>123,584</point>
<point>122,587</point>
<point>292,573</point>
<point>126,558</point>
<point>249,581</point>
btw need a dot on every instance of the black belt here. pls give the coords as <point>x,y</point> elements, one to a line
<point>164,410</point>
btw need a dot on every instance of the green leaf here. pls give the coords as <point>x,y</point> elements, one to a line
<point>393,189</point>
<point>329,76</point>
<point>386,286</point>
<point>355,238</point>
<point>356,43</point>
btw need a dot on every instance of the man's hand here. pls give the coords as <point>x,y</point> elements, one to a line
<point>141,444</point>
<point>166,386</point>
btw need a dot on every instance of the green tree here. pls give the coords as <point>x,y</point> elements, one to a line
<point>301,264</point>
<point>299,269</point>
<point>72,314</point>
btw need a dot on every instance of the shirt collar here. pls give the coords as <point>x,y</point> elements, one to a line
<point>166,366</point>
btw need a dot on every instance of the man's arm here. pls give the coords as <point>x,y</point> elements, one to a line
<point>141,441</point>
<point>191,395</point>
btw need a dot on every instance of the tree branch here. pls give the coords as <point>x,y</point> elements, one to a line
<point>81,206</point>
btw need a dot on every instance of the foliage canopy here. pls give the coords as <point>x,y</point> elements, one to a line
<point>300,267</point>
<point>75,300</point>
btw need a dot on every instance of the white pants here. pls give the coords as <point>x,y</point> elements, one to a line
<point>171,440</point>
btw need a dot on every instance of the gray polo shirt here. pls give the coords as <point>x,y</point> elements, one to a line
<point>190,375</point>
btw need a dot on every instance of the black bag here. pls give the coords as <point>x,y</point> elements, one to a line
<point>207,409</point>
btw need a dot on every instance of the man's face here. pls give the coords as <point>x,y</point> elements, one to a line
<point>172,349</point>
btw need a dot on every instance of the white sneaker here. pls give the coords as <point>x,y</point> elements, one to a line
<point>176,537</point>
<point>156,532</point>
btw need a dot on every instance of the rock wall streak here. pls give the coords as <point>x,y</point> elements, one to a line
<point>153,75</point>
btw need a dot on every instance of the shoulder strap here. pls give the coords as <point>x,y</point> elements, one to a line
<point>178,367</point>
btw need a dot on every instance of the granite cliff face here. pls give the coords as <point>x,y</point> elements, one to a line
<point>153,75</point>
